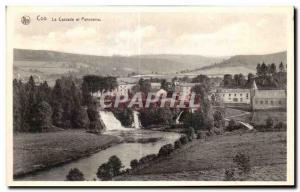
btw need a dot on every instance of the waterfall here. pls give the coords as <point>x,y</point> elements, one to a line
<point>110,121</point>
<point>177,119</point>
<point>136,120</point>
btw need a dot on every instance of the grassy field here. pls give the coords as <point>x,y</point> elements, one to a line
<point>208,160</point>
<point>42,150</point>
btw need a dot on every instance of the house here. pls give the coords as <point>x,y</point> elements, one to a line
<point>225,95</point>
<point>124,88</point>
<point>268,99</point>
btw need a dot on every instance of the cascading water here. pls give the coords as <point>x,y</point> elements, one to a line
<point>110,121</point>
<point>136,120</point>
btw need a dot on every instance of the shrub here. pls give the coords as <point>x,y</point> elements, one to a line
<point>202,134</point>
<point>147,159</point>
<point>105,172</point>
<point>229,174</point>
<point>183,139</point>
<point>116,164</point>
<point>75,175</point>
<point>110,169</point>
<point>243,162</point>
<point>166,150</point>
<point>134,164</point>
<point>177,144</point>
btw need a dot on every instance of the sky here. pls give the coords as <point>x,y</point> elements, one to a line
<point>217,33</point>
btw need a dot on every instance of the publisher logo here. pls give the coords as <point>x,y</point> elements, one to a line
<point>25,20</point>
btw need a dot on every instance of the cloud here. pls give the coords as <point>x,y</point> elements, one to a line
<point>194,34</point>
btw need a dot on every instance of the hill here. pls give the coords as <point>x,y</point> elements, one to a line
<point>243,63</point>
<point>52,64</point>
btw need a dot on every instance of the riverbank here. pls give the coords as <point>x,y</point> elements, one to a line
<point>38,151</point>
<point>208,159</point>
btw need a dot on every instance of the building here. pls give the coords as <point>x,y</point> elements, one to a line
<point>225,96</point>
<point>268,99</point>
<point>254,98</point>
<point>124,88</point>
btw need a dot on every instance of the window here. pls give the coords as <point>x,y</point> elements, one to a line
<point>223,95</point>
<point>229,94</point>
<point>247,95</point>
<point>241,99</point>
<point>266,102</point>
<point>261,102</point>
<point>235,99</point>
<point>279,102</point>
<point>235,95</point>
<point>272,102</point>
<point>241,94</point>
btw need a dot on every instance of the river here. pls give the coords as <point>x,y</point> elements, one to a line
<point>134,147</point>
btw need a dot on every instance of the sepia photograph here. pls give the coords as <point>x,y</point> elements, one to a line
<point>150,96</point>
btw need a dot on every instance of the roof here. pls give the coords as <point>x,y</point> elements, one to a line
<point>275,94</point>
<point>224,90</point>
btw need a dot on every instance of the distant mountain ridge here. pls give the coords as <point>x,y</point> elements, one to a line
<point>251,61</point>
<point>49,65</point>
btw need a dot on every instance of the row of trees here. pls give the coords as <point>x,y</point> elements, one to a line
<point>38,107</point>
<point>267,76</point>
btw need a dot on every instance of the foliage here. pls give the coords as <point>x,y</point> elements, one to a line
<point>80,118</point>
<point>144,85</point>
<point>124,115</point>
<point>183,139</point>
<point>156,116</point>
<point>166,150</point>
<point>134,163</point>
<point>269,123</point>
<point>110,169</point>
<point>242,161</point>
<point>95,83</point>
<point>75,175</point>
<point>267,77</point>
<point>43,119</point>
<point>177,144</point>
<point>229,174</point>
<point>147,159</point>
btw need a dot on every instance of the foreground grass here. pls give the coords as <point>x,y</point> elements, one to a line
<point>37,151</point>
<point>208,160</point>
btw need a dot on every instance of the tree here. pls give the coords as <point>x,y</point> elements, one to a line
<point>144,85</point>
<point>263,69</point>
<point>105,172</point>
<point>164,85</point>
<point>269,123</point>
<point>75,175</point>
<point>258,70</point>
<point>281,67</point>
<point>86,95</point>
<point>95,123</point>
<point>227,80</point>
<point>273,69</point>
<point>134,164</point>
<point>43,120</point>
<point>110,169</point>
<point>125,116</point>
<point>80,118</point>
<point>116,164</point>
